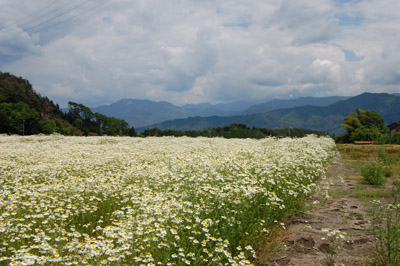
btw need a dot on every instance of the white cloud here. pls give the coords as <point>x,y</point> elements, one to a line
<point>185,64</point>
<point>325,70</point>
<point>192,51</point>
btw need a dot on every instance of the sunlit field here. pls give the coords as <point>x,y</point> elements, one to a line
<point>149,201</point>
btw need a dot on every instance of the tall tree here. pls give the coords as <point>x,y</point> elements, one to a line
<point>363,125</point>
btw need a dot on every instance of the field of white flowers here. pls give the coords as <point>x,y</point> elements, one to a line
<point>148,201</point>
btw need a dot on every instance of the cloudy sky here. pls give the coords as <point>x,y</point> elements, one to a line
<point>190,51</point>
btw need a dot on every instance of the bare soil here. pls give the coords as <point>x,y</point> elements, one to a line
<point>304,242</point>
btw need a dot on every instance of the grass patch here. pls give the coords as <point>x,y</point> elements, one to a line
<point>372,194</point>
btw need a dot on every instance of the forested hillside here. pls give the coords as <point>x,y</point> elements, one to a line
<point>321,118</point>
<point>25,112</point>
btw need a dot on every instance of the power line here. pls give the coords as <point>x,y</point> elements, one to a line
<point>21,23</point>
<point>58,15</point>
<point>40,10</point>
<point>70,18</point>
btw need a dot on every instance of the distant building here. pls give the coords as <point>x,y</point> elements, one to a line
<point>394,127</point>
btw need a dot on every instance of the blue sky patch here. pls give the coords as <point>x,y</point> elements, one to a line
<point>241,25</point>
<point>343,1</point>
<point>107,19</point>
<point>345,20</point>
<point>351,56</point>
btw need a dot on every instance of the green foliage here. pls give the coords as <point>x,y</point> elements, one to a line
<point>367,134</point>
<point>364,125</point>
<point>233,131</point>
<point>370,119</point>
<point>386,230</point>
<point>387,163</point>
<point>393,138</point>
<point>351,123</point>
<point>97,124</point>
<point>25,112</point>
<point>14,89</point>
<point>373,173</point>
<point>18,118</point>
<point>237,131</point>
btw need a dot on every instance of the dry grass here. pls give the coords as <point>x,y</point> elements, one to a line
<point>365,152</point>
<point>271,245</point>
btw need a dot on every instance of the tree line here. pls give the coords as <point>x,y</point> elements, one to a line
<point>232,131</point>
<point>361,125</point>
<point>25,112</point>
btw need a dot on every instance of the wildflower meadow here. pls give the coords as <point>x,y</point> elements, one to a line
<point>149,201</point>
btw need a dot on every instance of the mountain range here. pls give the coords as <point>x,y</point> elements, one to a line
<point>323,118</point>
<point>323,114</point>
<point>142,113</point>
<point>291,103</point>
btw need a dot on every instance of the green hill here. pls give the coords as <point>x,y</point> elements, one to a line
<point>25,112</point>
<point>322,118</point>
<point>291,103</point>
<point>142,112</point>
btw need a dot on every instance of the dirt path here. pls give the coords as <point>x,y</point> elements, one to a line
<point>305,243</point>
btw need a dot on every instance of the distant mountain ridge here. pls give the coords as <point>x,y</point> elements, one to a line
<point>323,118</point>
<point>290,103</point>
<point>141,113</point>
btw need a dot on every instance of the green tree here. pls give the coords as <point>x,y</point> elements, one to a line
<point>18,118</point>
<point>370,119</point>
<point>351,123</point>
<point>90,123</point>
<point>367,125</point>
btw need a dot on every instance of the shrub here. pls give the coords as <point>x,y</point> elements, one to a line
<point>387,162</point>
<point>394,138</point>
<point>373,173</point>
